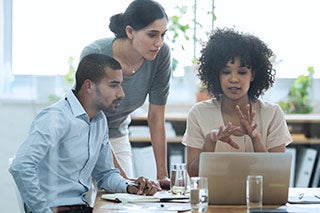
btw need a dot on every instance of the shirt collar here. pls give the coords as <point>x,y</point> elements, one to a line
<point>76,107</point>
<point>75,104</point>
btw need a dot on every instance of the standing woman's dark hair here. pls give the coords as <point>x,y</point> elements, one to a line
<point>138,15</point>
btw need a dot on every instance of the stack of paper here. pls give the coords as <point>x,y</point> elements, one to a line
<point>148,207</point>
<point>125,197</point>
<point>133,198</point>
<point>304,195</point>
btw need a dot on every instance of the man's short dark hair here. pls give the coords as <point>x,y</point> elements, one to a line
<point>93,66</point>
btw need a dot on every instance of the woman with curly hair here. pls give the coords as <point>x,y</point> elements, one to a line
<point>236,69</point>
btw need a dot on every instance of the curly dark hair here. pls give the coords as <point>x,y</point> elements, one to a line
<point>227,44</point>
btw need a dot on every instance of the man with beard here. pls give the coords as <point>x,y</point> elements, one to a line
<point>68,144</point>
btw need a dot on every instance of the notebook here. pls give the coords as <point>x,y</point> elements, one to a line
<point>227,174</point>
<point>163,196</point>
<point>304,195</point>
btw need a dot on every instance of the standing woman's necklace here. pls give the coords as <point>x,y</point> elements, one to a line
<point>122,57</point>
<point>131,69</point>
<point>137,66</point>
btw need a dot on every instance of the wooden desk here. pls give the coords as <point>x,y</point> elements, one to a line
<point>307,208</point>
<point>98,208</point>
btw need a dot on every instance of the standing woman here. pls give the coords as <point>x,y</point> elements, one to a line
<point>145,60</point>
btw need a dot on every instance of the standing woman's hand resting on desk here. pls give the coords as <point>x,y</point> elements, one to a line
<point>164,182</point>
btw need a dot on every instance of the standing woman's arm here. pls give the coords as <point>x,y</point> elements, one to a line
<point>156,123</point>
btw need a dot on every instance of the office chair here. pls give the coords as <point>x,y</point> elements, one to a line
<point>18,196</point>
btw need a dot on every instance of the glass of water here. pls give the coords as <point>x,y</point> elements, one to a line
<point>254,191</point>
<point>178,179</point>
<point>199,194</point>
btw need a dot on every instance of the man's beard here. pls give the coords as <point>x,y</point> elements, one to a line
<point>104,107</point>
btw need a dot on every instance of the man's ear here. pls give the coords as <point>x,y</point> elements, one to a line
<point>88,85</point>
<point>129,32</point>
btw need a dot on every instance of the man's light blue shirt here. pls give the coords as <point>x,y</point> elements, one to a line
<point>64,149</point>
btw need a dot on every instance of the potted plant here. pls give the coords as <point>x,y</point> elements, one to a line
<point>298,96</point>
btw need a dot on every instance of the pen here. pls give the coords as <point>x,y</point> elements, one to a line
<point>137,185</point>
<point>116,200</point>
<point>133,184</point>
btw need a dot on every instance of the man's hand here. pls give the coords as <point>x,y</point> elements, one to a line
<point>143,186</point>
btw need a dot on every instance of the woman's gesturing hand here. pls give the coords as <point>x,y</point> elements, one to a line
<point>224,135</point>
<point>246,121</point>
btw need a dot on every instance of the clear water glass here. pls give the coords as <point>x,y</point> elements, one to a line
<point>199,194</point>
<point>178,179</point>
<point>254,192</point>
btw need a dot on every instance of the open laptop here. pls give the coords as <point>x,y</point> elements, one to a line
<point>227,173</point>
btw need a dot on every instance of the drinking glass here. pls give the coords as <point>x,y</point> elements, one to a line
<point>178,179</point>
<point>254,191</point>
<point>199,194</point>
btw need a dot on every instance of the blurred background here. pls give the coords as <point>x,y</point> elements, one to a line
<point>41,41</point>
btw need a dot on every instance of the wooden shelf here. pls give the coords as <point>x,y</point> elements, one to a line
<point>292,118</point>
<point>302,139</point>
<point>179,121</point>
<point>303,118</point>
<point>297,139</point>
<point>169,117</point>
<point>177,139</point>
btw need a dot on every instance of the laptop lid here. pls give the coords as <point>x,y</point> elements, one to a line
<point>227,173</point>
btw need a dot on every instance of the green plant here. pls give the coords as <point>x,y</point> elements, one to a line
<point>185,31</point>
<point>68,79</point>
<point>69,76</point>
<point>298,97</point>
<point>178,33</point>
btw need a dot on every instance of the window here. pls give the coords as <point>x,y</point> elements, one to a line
<point>287,26</point>
<point>45,33</point>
